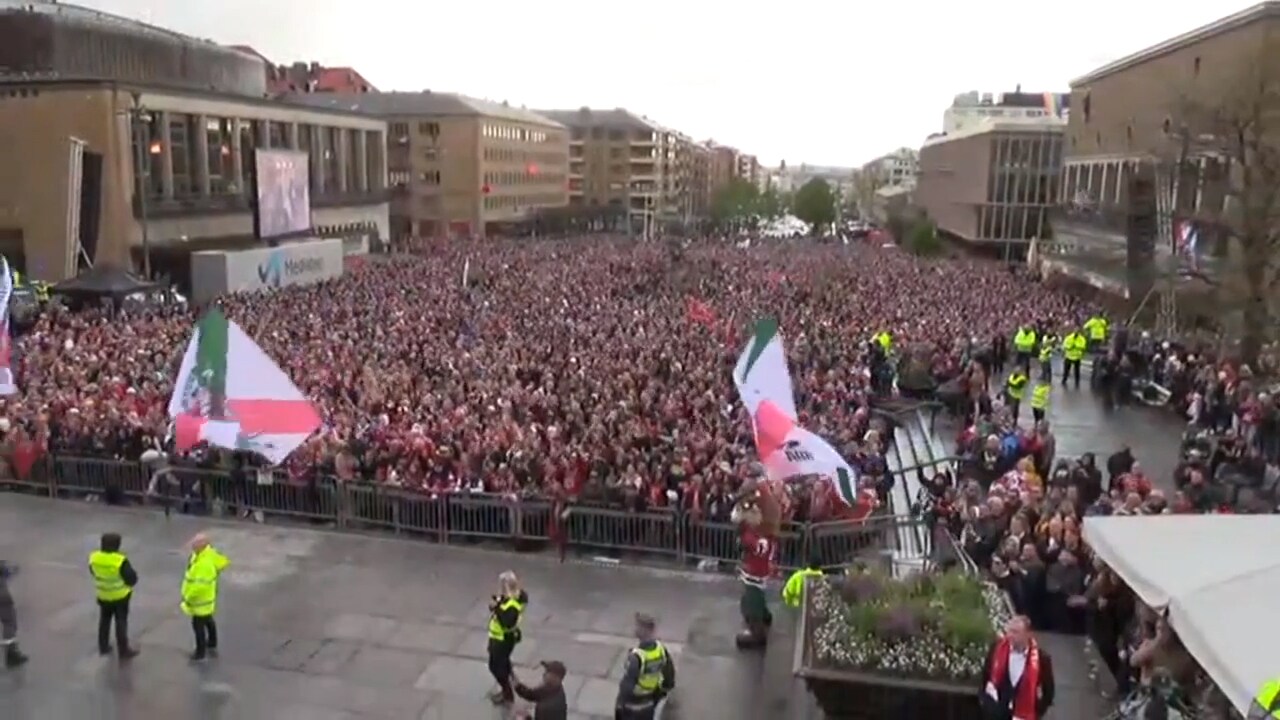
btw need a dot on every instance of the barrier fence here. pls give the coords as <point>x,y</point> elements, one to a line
<point>460,517</point>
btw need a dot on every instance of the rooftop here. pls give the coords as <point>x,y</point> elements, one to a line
<point>615,119</point>
<point>1263,10</point>
<point>409,104</point>
<point>80,14</point>
<point>990,125</point>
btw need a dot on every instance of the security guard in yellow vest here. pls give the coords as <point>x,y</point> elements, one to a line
<point>505,610</point>
<point>884,339</point>
<point>113,582</point>
<point>1074,346</point>
<point>1048,343</point>
<point>793,590</point>
<point>1014,388</point>
<point>1040,399</point>
<point>1096,328</point>
<point>1266,704</point>
<point>200,594</point>
<point>1024,343</point>
<point>649,675</point>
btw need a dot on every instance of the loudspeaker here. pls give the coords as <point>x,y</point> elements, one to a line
<point>1141,230</point>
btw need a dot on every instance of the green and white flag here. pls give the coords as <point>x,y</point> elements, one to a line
<point>786,450</point>
<point>230,394</point>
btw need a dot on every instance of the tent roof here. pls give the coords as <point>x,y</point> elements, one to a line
<point>104,280</point>
<point>1219,578</point>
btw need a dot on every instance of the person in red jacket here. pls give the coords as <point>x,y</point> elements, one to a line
<point>1018,677</point>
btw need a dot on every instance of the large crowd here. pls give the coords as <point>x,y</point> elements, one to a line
<point>595,365</point>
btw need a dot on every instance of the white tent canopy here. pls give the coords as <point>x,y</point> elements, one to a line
<point>1219,578</point>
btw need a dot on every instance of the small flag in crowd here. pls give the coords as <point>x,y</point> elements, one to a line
<point>7,384</point>
<point>700,312</point>
<point>230,394</point>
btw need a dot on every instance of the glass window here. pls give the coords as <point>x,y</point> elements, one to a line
<point>248,144</point>
<point>222,178</point>
<point>146,145</point>
<point>332,141</point>
<point>277,135</point>
<point>180,153</point>
<point>354,171</point>
<point>375,147</point>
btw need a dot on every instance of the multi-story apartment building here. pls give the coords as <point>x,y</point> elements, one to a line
<point>462,166</point>
<point>723,166</point>
<point>700,180</point>
<point>124,155</point>
<point>619,160</point>
<point>973,108</point>
<point>993,182</point>
<point>749,168</point>
<point>896,168</point>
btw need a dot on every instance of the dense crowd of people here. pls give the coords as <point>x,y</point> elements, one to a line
<point>598,366</point>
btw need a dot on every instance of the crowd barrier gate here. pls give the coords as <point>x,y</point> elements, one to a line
<point>524,523</point>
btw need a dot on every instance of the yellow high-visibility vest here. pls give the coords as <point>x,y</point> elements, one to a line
<point>108,584</point>
<point>652,663</point>
<point>793,590</point>
<point>200,584</point>
<point>496,631</point>
<point>1017,382</point>
<point>1040,396</point>
<point>1266,704</point>
<point>1025,341</point>
<point>1074,346</point>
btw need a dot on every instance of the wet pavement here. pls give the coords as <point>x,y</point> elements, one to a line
<point>325,626</point>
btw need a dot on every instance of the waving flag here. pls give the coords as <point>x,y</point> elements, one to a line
<point>7,385</point>
<point>786,450</point>
<point>230,394</point>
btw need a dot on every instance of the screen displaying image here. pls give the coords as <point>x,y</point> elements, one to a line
<point>284,192</point>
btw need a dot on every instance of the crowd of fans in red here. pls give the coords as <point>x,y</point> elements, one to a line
<point>598,367</point>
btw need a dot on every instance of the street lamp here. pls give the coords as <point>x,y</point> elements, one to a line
<point>138,116</point>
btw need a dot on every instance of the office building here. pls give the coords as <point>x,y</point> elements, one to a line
<point>994,181</point>
<point>462,166</point>
<point>892,169</point>
<point>148,153</point>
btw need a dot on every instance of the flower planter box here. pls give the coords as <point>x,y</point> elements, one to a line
<point>901,649</point>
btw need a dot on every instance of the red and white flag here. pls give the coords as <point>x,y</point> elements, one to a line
<point>7,384</point>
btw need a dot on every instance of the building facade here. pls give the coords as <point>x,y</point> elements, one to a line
<point>1139,109</point>
<point>462,166</point>
<point>112,168</point>
<point>623,162</point>
<point>896,168</point>
<point>993,182</point>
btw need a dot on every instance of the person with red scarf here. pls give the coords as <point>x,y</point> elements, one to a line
<point>1018,679</point>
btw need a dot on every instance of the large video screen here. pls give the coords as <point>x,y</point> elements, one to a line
<point>284,193</point>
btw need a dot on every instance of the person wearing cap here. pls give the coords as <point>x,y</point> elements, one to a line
<point>200,594</point>
<point>549,701</point>
<point>649,676</point>
<point>505,610</point>
<point>113,582</point>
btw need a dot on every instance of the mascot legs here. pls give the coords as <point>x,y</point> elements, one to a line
<point>755,617</point>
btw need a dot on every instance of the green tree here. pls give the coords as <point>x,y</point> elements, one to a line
<point>736,204</point>
<point>815,204</point>
<point>772,204</point>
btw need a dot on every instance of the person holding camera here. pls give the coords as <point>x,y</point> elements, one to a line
<point>505,610</point>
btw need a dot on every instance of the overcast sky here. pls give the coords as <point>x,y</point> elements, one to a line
<point>828,82</point>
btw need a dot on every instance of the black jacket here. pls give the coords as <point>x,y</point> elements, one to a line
<point>549,702</point>
<point>999,709</point>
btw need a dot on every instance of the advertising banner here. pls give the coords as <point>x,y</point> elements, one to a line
<point>216,272</point>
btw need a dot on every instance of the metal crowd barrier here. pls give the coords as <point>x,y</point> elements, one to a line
<point>457,517</point>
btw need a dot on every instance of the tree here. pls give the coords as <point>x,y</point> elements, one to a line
<point>772,204</point>
<point>1236,119</point>
<point>815,204</point>
<point>736,204</point>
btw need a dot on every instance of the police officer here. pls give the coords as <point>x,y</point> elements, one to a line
<point>649,676</point>
<point>1047,343</point>
<point>13,657</point>
<point>505,610</point>
<point>1014,388</point>
<point>1024,343</point>
<point>793,590</point>
<point>200,594</point>
<point>113,581</point>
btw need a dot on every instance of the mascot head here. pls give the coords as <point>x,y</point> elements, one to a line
<point>760,505</point>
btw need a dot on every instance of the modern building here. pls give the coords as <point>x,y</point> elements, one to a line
<point>463,166</point>
<point>972,108</point>
<point>627,163</point>
<point>994,181</point>
<point>129,144</point>
<point>1140,109</point>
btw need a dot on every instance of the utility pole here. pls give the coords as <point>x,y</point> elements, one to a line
<point>142,173</point>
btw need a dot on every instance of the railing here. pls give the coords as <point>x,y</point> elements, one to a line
<point>671,535</point>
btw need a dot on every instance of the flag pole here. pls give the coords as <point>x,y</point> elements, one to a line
<point>466,270</point>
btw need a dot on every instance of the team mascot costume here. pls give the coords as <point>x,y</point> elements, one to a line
<point>758,515</point>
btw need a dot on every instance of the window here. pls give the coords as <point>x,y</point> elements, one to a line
<point>1195,66</point>
<point>332,143</point>
<point>1166,126</point>
<point>398,130</point>
<point>430,129</point>
<point>248,142</point>
<point>222,178</point>
<point>355,173</point>
<point>375,149</point>
<point>430,153</point>
<point>277,135</point>
<point>181,151</point>
<point>1086,106</point>
<point>147,134</point>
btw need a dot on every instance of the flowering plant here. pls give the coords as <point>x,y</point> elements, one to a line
<point>935,626</point>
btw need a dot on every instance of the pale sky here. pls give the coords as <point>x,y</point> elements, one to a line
<point>826,82</point>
